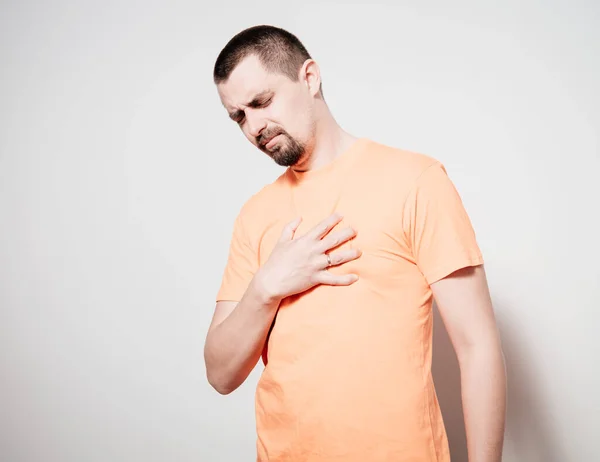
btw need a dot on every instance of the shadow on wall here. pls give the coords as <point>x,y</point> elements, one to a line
<point>527,435</point>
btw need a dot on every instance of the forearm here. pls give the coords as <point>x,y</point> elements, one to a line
<point>234,346</point>
<point>483,383</point>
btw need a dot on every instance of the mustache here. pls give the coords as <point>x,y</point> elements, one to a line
<point>267,136</point>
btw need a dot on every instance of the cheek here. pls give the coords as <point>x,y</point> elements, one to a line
<point>294,113</point>
<point>303,122</point>
<point>247,134</point>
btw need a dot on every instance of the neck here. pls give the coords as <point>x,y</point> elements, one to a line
<point>329,142</point>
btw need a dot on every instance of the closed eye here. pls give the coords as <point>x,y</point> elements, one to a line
<point>259,104</point>
<point>260,100</point>
<point>239,116</point>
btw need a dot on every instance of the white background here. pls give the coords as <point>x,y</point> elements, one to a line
<point>120,177</point>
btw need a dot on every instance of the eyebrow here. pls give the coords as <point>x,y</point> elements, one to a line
<point>256,102</point>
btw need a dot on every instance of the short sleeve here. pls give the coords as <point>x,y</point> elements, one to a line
<point>242,263</point>
<point>437,226</point>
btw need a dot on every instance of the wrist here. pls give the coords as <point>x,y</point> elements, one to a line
<point>265,291</point>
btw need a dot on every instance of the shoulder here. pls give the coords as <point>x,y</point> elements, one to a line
<point>413,163</point>
<point>395,165</point>
<point>261,204</point>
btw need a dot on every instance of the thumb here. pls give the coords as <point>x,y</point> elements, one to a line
<point>289,230</point>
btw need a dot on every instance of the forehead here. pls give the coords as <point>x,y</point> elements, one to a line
<point>247,80</point>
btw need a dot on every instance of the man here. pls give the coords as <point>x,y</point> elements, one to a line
<point>331,275</point>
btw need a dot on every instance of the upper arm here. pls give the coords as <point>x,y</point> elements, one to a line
<point>445,250</point>
<point>465,305</point>
<point>241,265</point>
<point>240,268</point>
<point>437,226</point>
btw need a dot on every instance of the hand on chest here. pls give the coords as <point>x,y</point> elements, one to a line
<point>378,234</point>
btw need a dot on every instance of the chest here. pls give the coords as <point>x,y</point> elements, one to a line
<point>373,213</point>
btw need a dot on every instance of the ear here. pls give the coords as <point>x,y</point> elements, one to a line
<point>310,75</point>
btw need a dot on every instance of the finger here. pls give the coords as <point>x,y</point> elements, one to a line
<point>324,226</point>
<point>333,240</point>
<point>327,278</point>
<point>289,230</point>
<point>343,256</point>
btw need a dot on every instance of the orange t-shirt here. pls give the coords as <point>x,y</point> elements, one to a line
<point>348,376</point>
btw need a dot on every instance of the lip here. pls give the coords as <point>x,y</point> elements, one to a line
<point>270,143</point>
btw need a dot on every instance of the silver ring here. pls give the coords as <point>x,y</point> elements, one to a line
<point>328,259</point>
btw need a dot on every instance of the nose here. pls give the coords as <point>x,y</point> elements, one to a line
<point>256,124</point>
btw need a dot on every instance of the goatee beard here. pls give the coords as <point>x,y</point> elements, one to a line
<point>288,153</point>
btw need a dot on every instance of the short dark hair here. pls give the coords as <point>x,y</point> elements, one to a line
<point>277,49</point>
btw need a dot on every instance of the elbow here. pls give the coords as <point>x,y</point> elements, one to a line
<point>220,386</point>
<point>488,351</point>
<point>220,383</point>
<point>220,373</point>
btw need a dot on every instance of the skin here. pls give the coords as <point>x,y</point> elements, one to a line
<point>266,104</point>
<point>465,305</point>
